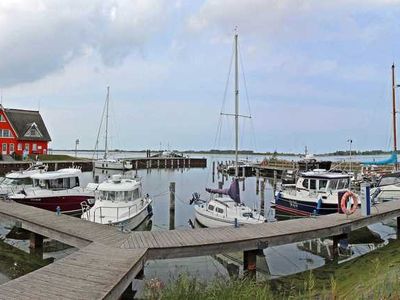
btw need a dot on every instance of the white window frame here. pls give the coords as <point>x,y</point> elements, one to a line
<point>11,147</point>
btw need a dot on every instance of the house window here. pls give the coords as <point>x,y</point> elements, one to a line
<point>11,148</point>
<point>19,147</point>
<point>2,119</point>
<point>27,147</point>
<point>6,133</point>
<point>4,148</point>
<point>34,147</point>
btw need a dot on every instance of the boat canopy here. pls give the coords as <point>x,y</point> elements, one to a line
<point>391,160</point>
<point>233,191</point>
<point>62,173</point>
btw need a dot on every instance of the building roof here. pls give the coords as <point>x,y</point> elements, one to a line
<point>22,120</point>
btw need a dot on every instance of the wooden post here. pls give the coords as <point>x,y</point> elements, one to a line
<point>35,240</point>
<point>275,176</point>
<point>213,171</point>
<point>250,263</point>
<point>158,163</point>
<point>335,246</point>
<point>257,181</point>
<point>171,205</point>
<point>244,185</point>
<point>220,186</point>
<point>398,227</point>
<point>189,164</point>
<point>262,197</point>
<point>165,163</point>
<point>36,244</point>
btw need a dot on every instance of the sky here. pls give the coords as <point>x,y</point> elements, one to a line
<point>312,73</point>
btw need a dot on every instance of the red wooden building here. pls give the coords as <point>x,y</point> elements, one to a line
<point>22,130</point>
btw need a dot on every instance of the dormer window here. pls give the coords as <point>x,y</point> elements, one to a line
<point>2,119</point>
<point>33,131</point>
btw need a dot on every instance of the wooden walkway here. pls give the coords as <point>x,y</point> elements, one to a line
<point>108,260</point>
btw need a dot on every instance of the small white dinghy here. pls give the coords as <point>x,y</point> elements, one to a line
<point>119,202</point>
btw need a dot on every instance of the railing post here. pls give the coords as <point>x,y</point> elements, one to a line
<point>171,205</point>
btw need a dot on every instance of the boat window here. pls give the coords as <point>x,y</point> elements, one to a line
<point>389,180</point>
<point>305,183</point>
<point>73,182</point>
<point>313,184</point>
<point>111,196</point>
<point>322,184</point>
<point>342,184</point>
<point>210,207</point>
<point>136,194</point>
<point>247,215</point>
<point>219,210</point>
<point>127,196</point>
<point>332,184</point>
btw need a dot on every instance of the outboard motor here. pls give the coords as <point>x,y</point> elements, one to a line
<point>195,198</point>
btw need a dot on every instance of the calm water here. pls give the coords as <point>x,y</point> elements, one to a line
<point>278,261</point>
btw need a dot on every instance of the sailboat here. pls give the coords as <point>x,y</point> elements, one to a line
<point>388,186</point>
<point>227,210</point>
<point>106,162</point>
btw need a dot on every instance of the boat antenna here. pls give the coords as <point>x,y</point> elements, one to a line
<point>236,105</point>
<point>394,114</point>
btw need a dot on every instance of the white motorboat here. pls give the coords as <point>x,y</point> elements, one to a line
<point>387,188</point>
<point>120,202</point>
<point>59,191</point>
<point>106,162</point>
<point>229,210</point>
<point>316,192</point>
<point>16,181</point>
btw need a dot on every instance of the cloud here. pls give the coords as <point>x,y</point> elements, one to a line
<point>39,37</point>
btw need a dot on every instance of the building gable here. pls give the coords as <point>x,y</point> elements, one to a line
<point>23,121</point>
<point>33,131</point>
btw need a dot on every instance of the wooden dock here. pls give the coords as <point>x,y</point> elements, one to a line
<point>87,165</point>
<point>108,260</point>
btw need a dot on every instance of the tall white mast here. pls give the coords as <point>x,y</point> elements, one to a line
<point>106,139</point>
<point>236,106</point>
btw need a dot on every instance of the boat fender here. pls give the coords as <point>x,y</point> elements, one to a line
<point>319,204</point>
<point>345,201</point>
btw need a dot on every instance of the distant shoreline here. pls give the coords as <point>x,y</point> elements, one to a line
<point>242,152</point>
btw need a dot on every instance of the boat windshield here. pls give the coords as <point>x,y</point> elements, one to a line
<point>247,215</point>
<point>338,184</point>
<point>17,181</point>
<point>120,195</point>
<point>389,180</point>
<point>57,184</point>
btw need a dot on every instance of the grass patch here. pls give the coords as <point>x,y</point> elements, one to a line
<point>55,157</point>
<point>372,276</point>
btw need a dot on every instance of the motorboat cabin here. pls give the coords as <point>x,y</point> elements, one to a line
<point>56,191</point>
<point>316,192</point>
<point>16,181</point>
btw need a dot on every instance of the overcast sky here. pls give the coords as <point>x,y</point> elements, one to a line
<point>317,72</point>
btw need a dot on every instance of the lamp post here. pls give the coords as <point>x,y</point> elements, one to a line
<point>76,147</point>
<point>350,141</point>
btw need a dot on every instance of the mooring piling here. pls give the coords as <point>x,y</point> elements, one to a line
<point>172,205</point>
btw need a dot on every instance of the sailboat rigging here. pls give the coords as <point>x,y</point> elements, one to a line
<point>225,211</point>
<point>106,162</point>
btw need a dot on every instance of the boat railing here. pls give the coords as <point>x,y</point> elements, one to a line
<point>132,210</point>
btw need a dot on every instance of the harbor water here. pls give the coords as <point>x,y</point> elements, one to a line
<point>15,259</point>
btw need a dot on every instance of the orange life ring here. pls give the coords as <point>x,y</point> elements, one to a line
<point>343,203</point>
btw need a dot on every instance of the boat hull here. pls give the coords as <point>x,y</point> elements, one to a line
<point>68,204</point>
<point>303,208</point>
<point>209,220</point>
